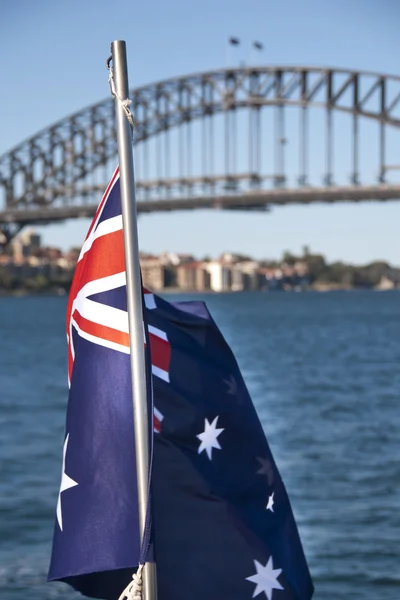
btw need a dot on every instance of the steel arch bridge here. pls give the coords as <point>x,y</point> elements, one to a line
<point>219,139</point>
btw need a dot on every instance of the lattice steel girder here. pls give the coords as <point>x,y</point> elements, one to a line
<point>64,154</point>
<point>258,199</point>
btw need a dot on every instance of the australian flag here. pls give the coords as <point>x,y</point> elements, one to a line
<point>222,527</point>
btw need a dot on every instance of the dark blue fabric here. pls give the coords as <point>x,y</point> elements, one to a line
<point>100,515</point>
<point>210,517</point>
<point>112,207</point>
<point>210,521</point>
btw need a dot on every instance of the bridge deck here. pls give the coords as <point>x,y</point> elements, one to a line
<point>252,200</point>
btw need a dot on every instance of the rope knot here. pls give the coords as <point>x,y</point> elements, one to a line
<point>124,103</point>
<point>133,590</point>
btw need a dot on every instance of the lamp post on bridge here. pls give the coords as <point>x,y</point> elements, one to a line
<point>257,46</point>
<point>234,41</point>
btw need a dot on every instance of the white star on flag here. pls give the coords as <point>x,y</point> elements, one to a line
<point>270,505</point>
<point>266,579</point>
<point>66,483</point>
<point>265,469</point>
<point>232,385</point>
<point>209,437</point>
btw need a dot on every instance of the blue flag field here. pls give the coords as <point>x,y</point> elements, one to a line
<point>222,524</point>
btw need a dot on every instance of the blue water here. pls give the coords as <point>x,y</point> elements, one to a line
<point>324,373</point>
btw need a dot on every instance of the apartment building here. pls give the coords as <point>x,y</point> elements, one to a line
<point>192,276</point>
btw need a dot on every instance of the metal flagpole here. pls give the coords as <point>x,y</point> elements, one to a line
<point>134,298</point>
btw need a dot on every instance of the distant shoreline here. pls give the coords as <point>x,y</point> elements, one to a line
<point>30,293</point>
<point>171,291</point>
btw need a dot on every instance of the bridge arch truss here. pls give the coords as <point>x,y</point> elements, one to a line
<point>241,138</point>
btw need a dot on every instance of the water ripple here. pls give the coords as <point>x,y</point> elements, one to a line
<point>324,373</point>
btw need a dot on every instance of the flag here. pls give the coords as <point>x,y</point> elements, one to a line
<point>234,41</point>
<point>258,45</point>
<point>97,524</point>
<point>223,526</point>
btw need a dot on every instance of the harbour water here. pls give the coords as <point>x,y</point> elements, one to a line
<point>324,374</point>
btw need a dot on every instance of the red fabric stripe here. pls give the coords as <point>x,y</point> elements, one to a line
<point>160,349</point>
<point>105,257</point>
<point>101,331</point>
<point>157,424</point>
<point>70,358</point>
<point>102,202</point>
<point>160,352</point>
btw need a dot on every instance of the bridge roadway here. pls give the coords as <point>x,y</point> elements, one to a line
<point>246,200</point>
<point>232,117</point>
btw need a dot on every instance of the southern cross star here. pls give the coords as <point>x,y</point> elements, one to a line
<point>209,437</point>
<point>266,469</point>
<point>270,505</point>
<point>66,483</point>
<point>232,385</point>
<point>266,579</point>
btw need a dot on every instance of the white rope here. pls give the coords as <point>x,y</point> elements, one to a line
<point>124,103</point>
<point>133,590</point>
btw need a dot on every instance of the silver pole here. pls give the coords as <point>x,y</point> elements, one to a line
<point>134,298</point>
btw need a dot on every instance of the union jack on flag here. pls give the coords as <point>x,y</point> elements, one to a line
<point>101,269</point>
<point>218,503</point>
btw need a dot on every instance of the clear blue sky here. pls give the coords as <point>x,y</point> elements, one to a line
<point>53,55</point>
